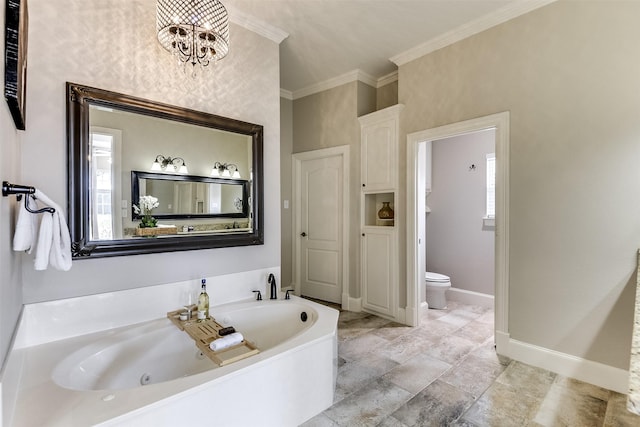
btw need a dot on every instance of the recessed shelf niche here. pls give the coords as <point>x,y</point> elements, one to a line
<point>372,204</point>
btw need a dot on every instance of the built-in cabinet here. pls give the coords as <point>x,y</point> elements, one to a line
<point>379,258</point>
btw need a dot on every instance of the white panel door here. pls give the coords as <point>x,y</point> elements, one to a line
<point>321,225</point>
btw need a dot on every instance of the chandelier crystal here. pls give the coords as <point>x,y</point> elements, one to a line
<point>194,31</point>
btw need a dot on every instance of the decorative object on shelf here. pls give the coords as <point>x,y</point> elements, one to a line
<point>146,205</point>
<point>196,32</point>
<point>237,202</point>
<point>168,164</point>
<point>15,48</point>
<point>385,211</point>
<point>223,170</point>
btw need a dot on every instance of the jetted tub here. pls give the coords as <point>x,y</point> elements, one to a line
<point>153,374</point>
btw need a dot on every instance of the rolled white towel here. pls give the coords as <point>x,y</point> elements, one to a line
<point>226,341</point>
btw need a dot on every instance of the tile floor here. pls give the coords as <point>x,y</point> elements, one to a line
<point>446,372</point>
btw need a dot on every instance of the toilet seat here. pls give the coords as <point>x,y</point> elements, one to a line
<point>436,277</point>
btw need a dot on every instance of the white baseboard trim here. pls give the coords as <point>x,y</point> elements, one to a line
<point>595,373</point>
<point>469,297</point>
<point>351,304</point>
<point>402,316</point>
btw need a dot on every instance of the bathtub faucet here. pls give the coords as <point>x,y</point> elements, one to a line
<point>271,280</point>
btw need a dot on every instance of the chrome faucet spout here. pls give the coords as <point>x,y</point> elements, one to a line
<point>271,280</point>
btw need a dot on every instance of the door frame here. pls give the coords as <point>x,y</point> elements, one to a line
<point>499,122</point>
<point>340,151</point>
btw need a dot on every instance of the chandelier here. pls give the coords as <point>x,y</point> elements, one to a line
<point>196,32</point>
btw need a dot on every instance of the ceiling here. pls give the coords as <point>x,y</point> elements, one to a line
<point>329,38</point>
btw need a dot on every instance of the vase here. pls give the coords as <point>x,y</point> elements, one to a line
<point>385,211</point>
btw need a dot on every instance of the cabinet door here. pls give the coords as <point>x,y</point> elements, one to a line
<point>379,146</point>
<point>379,270</point>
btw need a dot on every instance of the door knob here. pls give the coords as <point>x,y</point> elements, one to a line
<point>303,234</point>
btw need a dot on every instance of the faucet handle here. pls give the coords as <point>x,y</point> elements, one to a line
<point>258,296</point>
<point>286,295</point>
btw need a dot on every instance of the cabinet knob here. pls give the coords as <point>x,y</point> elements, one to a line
<point>362,234</point>
<point>303,234</point>
<point>364,185</point>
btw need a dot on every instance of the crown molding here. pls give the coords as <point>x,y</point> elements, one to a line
<point>498,17</point>
<point>251,23</point>
<point>351,76</point>
<point>389,78</point>
<point>286,94</point>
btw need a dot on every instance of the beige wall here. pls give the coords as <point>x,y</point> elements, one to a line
<point>387,95</point>
<point>568,75</point>
<point>286,150</point>
<point>111,45</point>
<point>10,271</point>
<point>329,119</point>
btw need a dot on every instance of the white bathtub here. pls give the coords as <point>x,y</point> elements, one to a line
<point>97,379</point>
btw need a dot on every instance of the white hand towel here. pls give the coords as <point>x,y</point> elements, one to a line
<point>26,227</point>
<point>226,341</point>
<point>54,241</point>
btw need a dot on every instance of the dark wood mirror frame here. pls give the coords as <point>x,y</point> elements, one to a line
<point>244,184</point>
<point>79,100</point>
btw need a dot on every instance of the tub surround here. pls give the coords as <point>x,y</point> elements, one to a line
<point>50,331</point>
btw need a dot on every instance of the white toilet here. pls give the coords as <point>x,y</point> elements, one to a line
<point>437,285</point>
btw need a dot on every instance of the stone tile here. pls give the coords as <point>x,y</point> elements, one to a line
<point>352,348</point>
<point>439,404</point>
<point>487,351</point>
<point>527,379</point>
<point>427,314</point>
<point>437,327</point>
<point>392,330</point>
<point>405,347</point>
<point>359,325</point>
<point>451,348</point>
<point>473,375</point>
<point>571,403</point>
<point>417,372</point>
<point>458,318</point>
<point>352,376</point>
<point>475,331</point>
<point>320,420</point>
<point>489,317</point>
<point>348,316</point>
<point>369,405</point>
<point>391,421</point>
<point>617,414</point>
<point>504,406</point>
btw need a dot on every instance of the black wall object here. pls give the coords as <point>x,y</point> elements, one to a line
<point>15,62</point>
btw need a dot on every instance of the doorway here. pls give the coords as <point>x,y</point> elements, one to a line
<point>416,207</point>
<point>321,224</point>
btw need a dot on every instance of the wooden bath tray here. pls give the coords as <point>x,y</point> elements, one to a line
<point>205,332</point>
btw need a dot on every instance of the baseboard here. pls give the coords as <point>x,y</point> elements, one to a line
<point>351,304</point>
<point>469,297</point>
<point>595,373</point>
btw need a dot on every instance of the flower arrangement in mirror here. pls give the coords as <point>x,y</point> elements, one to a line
<point>145,205</point>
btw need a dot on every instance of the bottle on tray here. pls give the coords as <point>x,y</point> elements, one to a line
<point>203,303</point>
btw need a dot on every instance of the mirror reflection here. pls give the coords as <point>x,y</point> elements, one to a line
<point>125,144</point>
<point>188,198</point>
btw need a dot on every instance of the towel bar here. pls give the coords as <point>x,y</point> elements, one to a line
<point>8,189</point>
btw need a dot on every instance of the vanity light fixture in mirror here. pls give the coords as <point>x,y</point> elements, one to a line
<point>168,164</point>
<point>223,170</point>
<point>110,135</point>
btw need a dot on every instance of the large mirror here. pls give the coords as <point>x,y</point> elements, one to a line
<point>203,172</point>
<point>189,196</point>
